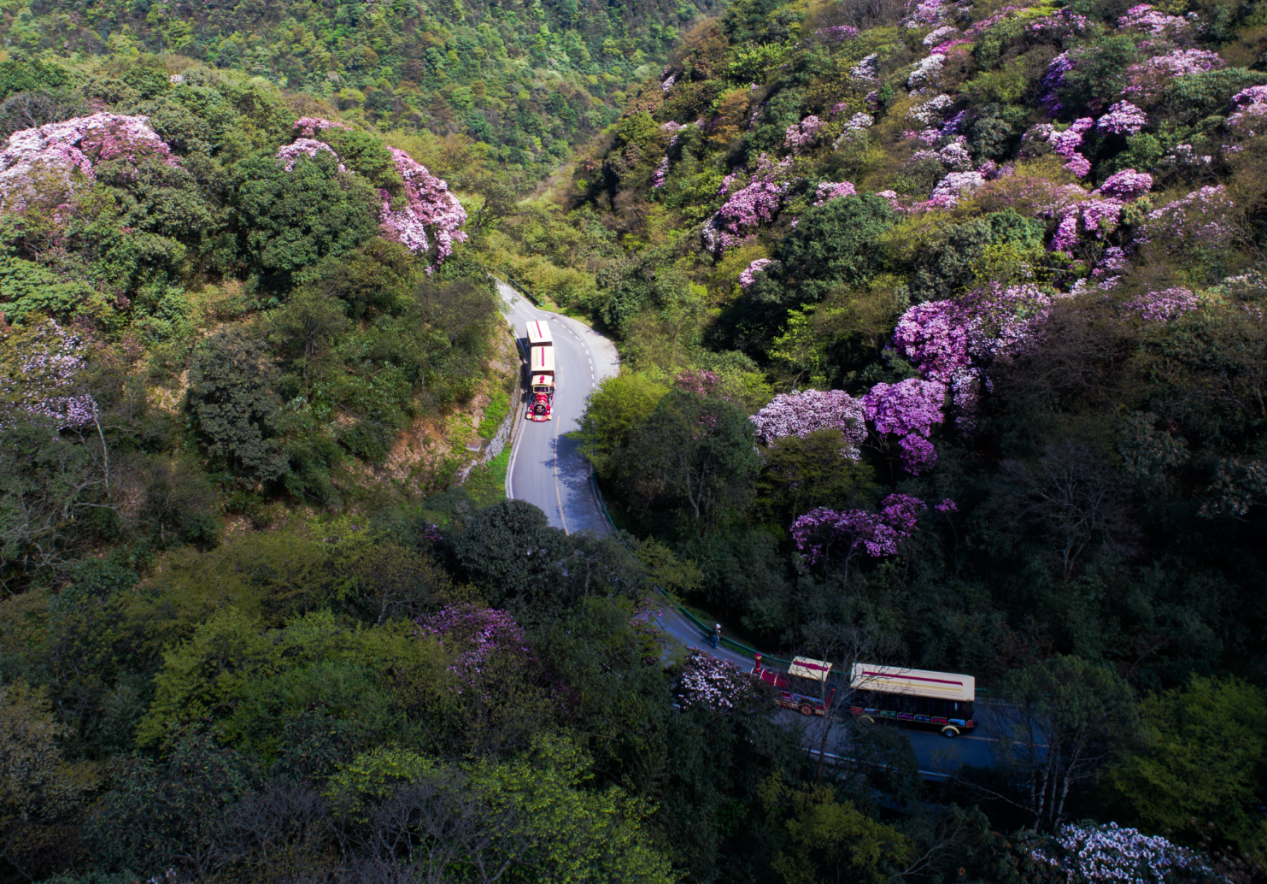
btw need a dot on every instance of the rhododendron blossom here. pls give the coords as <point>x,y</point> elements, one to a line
<point>802,413</point>
<point>49,387</point>
<point>802,135</point>
<point>836,34</point>
<point>1112,855</point>
<point>1199,217</point>
<point>713,684</point>
<point>1146,20</point>
<point>69,151</point>
<point>1248,105</point>
<point>429,204</point>
<point>1123,118</point>
<point>748,276</point>
<point>311,127</point>
<point>747,208</point>
<point>1127,185</point>
<point>908,410</point>
<point>289,154</point>
<point>831,190</point>
<point>822,531</point>
<point>1163,306</point>
<point>477,634</point>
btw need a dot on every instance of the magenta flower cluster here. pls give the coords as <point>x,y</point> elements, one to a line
<point>1163,306</point>
<point>877,535</point>
<point>908,410</point>
<point>802,413</point>
<point>477,634</point>
<point>289,154</point>
<point>832,190</point>
<point>311,127</point>
<point>748,276</point>
<point>836,34</point>
<point>1145,19</point>
<point>747,208</point>
<point>801,136</point>
<point>1248,104</point>
<point>1199,217</point>
<point>1123,118</point>
<point>1127,185</point>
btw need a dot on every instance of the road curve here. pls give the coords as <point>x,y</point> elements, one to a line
<point>546,468</point>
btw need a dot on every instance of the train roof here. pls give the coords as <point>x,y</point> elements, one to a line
<point>539,333</point>
<point>913,682</point>
<point>542,359</point>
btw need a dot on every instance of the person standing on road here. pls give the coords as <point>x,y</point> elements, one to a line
<point>716,634</point>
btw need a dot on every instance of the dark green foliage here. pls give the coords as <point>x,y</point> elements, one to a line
<point>169,814</point>
<point>833,245</point>
<point>953,260</point>
<point>233,406</point>
<point>996,132</point>
<point>1188,100</point>
<point>288,220</point>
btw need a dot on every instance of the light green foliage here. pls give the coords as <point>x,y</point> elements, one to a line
<point>1205,746</point>
<point>831,840</point>
<point>253,679</point>
<point>36,782</point>
<point>615,409</point>
<point>371,777</point>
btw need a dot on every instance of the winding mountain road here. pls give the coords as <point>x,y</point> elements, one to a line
<point>548,470</point>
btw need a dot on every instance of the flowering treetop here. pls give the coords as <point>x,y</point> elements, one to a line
<point>710,683</point>
<point>859,531</point>
<point>429,203</point>
<point>288,154</point>
<point>749,207</point>
<point>909,410</point>
<point>73,147</point>
<point>799,414</point>
<point>748,276</point>
<point>1111,854</point>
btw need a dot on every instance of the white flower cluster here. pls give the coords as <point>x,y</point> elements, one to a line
<point>926,72</point>
<point>1116,855</point>
<point>931,112</point>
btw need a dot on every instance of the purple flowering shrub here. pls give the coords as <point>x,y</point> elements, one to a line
<point>749,207</point>
<point>748,276</point>
<point>289,154</point>
<point>832,190</point>
<point>311,127</point>
<point>476,635</point>
<point>823,532</point>
<point>908,410</point>
<point>802,413</point>
<point>429,204</point>
<point>1200,218</point>
<point>801,136</point>
<point>1123,118</point>
<point>1162,306</point>
<point>708,682</point>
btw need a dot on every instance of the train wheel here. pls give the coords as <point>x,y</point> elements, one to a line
<point>807,709</point>
<point>950,732</point>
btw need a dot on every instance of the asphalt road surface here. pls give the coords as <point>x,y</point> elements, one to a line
<point>547,470</point>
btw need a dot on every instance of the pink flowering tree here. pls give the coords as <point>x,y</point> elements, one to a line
<point>908,410</point>
<point>44,379</point>
<point>1123,118</point>
<point>288,154</point>
<point>802,413</point>
<point>831,190</point>
<point>748,208</point>
<point>825,536</point>
<point>1162,306</point>
<point>713,684</point>
<point>1127,185</point>
<point>428,205</point>
<point>1198,219</point>
<point>69,151</point>
<point>801,136</point>
<point>311,127</point>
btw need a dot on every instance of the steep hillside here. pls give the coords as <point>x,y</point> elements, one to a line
<point>198,286</point>
<point>1022,244</point>
<point>529,79</point>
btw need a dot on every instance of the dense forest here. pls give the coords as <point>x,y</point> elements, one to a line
<point>943,346</point>
<point>529,81</point>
